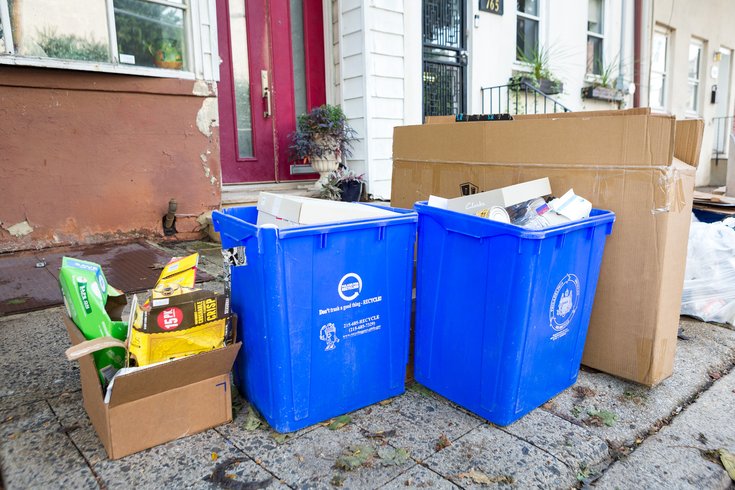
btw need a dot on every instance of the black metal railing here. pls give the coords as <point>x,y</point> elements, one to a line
<point>723,130</point>
<point>519,98</point>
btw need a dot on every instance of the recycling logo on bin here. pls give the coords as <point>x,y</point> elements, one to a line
<point>564,303</point>
<point>357,314</point>
<point>349,286</point>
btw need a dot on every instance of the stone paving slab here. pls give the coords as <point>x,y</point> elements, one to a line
<point>710,349</point>
<point>503,458</point>
<point>36,453</point>
<point>32,359</point>
<point>673,457</point>
<point>416,421</point>
<point>184,461</point>
<point>310,460</point>
<point>573,444</point>
<point>420,477</point>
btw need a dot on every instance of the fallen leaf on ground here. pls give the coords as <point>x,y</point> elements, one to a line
<point>482,479</point>
<point>354,457</point>
<point>601,417</point>
<point>583,391</point>
<point>252,421</point>
<point>442,442</point>
<point>386,402</point>
<point>215,456</point>
<point>279,438</point>
<point>393,457</point>
<point>339,422</point>
<point>420,389</point>
<point>728,461</point>
<point>381,434</point>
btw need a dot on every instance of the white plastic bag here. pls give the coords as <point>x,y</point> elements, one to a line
<point>709,281</point>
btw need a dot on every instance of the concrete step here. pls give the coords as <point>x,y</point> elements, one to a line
<point>244,194</point>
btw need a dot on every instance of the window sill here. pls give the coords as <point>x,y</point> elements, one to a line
<point>95,67</point>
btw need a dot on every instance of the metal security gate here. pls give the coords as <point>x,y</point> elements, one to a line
<point>445,58</point>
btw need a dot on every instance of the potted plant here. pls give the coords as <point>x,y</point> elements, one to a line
<point>342,185</point>
<point>601,87</point>
<point>323,139</point>
<point>166,54</point>
<point>540,75</point>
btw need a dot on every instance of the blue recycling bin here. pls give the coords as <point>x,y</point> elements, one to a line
<point>502,311</point>
<point>323,313</point>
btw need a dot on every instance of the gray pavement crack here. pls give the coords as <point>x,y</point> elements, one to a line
<point>65,430</point>
<point>260,464</point>
<point>625,450</point>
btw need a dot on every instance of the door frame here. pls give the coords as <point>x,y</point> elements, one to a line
<point>276,31</point>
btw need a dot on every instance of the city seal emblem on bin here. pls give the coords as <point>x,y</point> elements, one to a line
<point>349,286</point>
<point>328,334</point>
<point>564,302</point>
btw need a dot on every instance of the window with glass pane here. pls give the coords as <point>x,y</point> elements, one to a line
<point>595,63</point>
<point>659,65</point>
<point>528,7</point>
<point>695,57</point>
<point>150,34</point>
<point>241,78</point>
<point>40,29</point>
<point>297,50</point>
<point>527,27</point>
<point>147,33</point>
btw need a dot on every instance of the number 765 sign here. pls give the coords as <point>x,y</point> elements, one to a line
<point>492,6</point>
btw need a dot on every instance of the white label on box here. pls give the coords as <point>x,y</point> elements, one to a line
<point>160,302</point>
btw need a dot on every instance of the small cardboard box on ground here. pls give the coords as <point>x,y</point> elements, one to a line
<point>159,403</point>
<point>638,164</point>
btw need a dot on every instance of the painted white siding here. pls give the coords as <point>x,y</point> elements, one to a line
<point>368,49</point>
<point>710,23</point>
<point>377,54</point>
<point>563,32</point>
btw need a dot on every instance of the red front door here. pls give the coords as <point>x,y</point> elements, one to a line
<point>272,70</point>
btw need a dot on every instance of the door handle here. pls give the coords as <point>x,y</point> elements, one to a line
<point>265,93</point>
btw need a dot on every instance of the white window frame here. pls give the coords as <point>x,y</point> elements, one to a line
<point>200,34</point>
<point>600,36</point>
<point>537,19</point>
<point>667,68</point>
<point>695,81</point>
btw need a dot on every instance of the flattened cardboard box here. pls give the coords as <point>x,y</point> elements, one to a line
<point>158,404</point>
<point>621,162</point>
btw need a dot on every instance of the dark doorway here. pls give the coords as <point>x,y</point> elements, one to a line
<point>444,57</point>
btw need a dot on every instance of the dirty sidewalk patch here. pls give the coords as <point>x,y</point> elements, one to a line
<point>29,280</point>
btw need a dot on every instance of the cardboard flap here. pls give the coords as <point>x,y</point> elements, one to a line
<point>688,140</point>
<point>620,140</point>
<point>173,374</point>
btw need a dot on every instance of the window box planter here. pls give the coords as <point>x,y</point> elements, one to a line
<point>602,93</point>
<point>548,87</point>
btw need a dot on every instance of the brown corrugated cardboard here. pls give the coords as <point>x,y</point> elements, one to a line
<point>623,163</point>
<point>160,403</point>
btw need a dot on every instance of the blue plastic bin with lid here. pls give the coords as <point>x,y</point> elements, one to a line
<point>323,313</point>
<point>502,311</point>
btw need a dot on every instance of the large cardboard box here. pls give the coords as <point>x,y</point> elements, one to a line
<point>637,164</point>
<point>157,404</point>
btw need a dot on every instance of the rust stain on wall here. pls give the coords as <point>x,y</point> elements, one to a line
<point>89,156</point>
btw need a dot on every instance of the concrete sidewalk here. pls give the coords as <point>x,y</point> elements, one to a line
<point>603,432</point>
